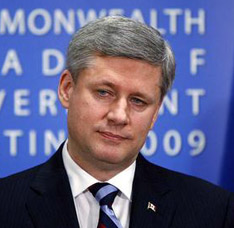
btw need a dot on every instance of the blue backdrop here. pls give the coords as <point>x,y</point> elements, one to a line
<point>194,133</point>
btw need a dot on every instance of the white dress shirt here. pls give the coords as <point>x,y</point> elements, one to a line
<point>87,208</point>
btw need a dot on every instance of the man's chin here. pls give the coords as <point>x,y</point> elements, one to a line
<point>115,160</point>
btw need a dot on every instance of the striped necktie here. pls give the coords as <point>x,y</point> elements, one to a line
<point>105,194</point>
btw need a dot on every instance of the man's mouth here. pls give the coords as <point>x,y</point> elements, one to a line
<point>112,136</point>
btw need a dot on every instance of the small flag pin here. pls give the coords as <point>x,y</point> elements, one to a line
<point>151,207</point>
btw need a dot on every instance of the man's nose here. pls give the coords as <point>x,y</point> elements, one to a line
<point>119,113</point>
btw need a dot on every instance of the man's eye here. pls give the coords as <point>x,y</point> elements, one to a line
<point>103,93</point>
<point>138,101</point>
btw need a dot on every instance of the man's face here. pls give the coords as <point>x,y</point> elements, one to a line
<point>111,108</point>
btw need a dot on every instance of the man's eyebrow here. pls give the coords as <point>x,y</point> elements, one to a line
<point>111,84</point>
<point>104,82</point>
<point>145,96</point>
<point>137,94</point>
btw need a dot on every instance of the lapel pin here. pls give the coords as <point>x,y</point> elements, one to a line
<point>151,207</point>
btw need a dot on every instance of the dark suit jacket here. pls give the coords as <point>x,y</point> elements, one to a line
<point>41,198</point>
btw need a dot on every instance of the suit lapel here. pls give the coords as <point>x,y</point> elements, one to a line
<point>153,202</point>
<point>50,202</point>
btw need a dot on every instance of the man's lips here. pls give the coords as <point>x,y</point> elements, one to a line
<point>112,136</point>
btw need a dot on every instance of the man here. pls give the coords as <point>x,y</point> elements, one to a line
<point>118,72</point>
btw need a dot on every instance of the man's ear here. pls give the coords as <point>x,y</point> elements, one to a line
<point>155,115</point>
<point>65,88</point>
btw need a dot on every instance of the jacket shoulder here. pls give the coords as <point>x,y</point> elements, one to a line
<point>190,189</point>
<point>17,183</point>
<point>180,181</point>
<point>25,177</point>
<point>194,197</point>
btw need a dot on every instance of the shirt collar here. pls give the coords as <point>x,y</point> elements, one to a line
<point>80,180</point>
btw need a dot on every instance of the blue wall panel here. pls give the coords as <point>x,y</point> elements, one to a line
<point>194,132</point>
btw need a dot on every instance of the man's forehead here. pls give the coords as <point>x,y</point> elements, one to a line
<point>121,63</point>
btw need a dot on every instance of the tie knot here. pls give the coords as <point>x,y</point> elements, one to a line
<point>104,193</point>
